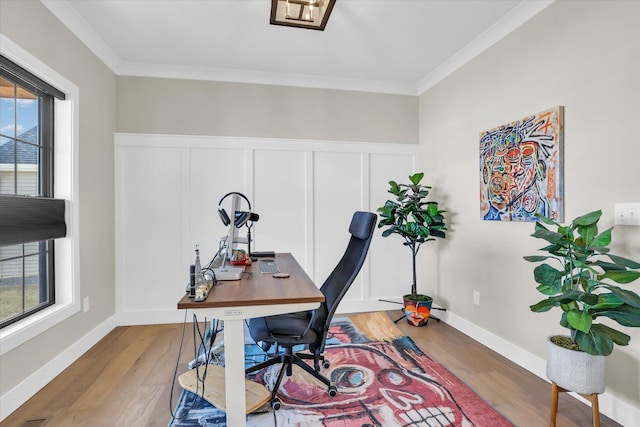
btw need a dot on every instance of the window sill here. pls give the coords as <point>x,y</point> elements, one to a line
<point>20,332</point>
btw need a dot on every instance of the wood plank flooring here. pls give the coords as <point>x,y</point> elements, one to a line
<point>126,379</point>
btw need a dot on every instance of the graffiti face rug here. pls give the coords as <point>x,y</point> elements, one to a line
<point>383,379</point>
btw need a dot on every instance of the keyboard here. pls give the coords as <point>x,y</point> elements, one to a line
<point>268,266</point>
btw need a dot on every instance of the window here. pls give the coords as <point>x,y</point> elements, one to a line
<point>65,187</point>
<point>28,224</point>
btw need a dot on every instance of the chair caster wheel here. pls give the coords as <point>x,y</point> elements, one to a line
<point>333,391</point>
<point>276,404</point>
<point>326,364</point>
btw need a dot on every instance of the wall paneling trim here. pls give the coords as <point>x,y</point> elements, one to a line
<point>167,192</point>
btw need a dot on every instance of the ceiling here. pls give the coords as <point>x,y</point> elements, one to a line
<point>387,46</point>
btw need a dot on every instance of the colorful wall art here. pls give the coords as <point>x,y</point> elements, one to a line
<point>521,168</point>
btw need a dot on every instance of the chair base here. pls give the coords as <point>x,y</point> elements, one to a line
<point>288,359</point>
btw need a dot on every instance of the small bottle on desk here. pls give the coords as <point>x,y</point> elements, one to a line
<point>198,267</point>
<point>192,281</point>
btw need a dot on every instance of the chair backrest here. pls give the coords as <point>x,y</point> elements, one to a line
<point>338,283</point>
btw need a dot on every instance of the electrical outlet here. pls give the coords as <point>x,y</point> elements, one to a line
<point>476,297</point>
<point>85,304</point>
<point>627,214</point>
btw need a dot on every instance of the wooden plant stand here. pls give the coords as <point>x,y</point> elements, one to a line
<point>593,398</point>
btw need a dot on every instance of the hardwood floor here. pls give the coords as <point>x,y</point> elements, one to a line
<point>125,380</point>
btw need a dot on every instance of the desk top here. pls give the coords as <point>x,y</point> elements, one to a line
<point>261,288</point>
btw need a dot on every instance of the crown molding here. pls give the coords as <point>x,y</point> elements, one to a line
<point>262,77</point>
<point>518,16</point>
<point>81,29</point>
<point>78,26</point>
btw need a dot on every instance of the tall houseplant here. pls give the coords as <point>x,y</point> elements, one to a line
<point>416,220</point>
<point>582,288</point>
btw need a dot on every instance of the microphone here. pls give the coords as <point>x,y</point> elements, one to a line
<point>242,217</point>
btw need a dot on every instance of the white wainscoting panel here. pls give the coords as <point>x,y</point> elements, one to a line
<point>150,227</point>
<point>280,194</point>
<point>168,188</point>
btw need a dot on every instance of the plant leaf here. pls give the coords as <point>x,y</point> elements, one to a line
<point>537,258</point>
<point>624,261</point>
<point>596,342</point>
<point>606,301</point>
<point>544,274</point>
<point>618,337</point>
<point>626,276</point>
<point>579,320</point>
<point>587,232</point>
<point>544,305</point>
<point>624,295</point>
<point>588,219</point>
<point>548,235</point>
<point>608,266</point>
<point>602,239</point>
<point>416,178</point>
<point>624,315</point>
<point>548,289</point>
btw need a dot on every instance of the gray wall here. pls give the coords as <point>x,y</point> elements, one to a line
<point>585,56</point>
<point>187,107</point>
<point>30,25</point>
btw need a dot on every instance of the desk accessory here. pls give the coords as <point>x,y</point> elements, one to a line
<point>268,266</point>
<point>192,281</point>
<point>265,254</point>
<point>202,291</point>
<point>235,220</point>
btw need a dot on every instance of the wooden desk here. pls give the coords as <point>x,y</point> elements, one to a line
<point>255,295</point>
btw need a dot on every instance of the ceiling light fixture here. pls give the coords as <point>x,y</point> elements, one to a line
<point>312,14</point>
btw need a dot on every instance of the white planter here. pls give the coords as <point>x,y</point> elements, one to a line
<point>575,371</point>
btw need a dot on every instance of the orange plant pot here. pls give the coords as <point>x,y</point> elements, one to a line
<point>417,312</point>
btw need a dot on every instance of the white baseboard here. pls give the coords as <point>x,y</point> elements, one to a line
<point>611,406</point>
<point>367,305</point>
<point>153,317</point>
<point>22,392</point>
<point>532,363</point>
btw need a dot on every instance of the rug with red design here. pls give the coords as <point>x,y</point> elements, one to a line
<point>383,379</point>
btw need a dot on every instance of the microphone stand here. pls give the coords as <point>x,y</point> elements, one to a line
<point>249,240</point>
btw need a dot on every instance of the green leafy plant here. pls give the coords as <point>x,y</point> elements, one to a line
<point>582,287</point>
<point>412,217</point>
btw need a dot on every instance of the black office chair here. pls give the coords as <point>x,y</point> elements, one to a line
<point>310,328</point>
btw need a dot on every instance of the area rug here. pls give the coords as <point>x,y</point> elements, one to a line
<point>383,379</point>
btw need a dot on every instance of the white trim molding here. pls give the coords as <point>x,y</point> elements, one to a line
<point>303,191</point>
<point>609,405</point>
<point>66,187</point>
<point>70,18</point>
<point>22,392</point>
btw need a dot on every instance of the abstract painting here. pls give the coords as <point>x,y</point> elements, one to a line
<point>521,168</point>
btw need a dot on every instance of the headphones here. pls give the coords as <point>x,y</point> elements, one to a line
<point>241,217</point>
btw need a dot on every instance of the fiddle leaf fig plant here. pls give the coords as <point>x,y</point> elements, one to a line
<point>581,285</point>
<point>412,217</point>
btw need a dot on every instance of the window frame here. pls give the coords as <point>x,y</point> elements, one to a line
<point>45,95</point>
<point>66,185</point>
